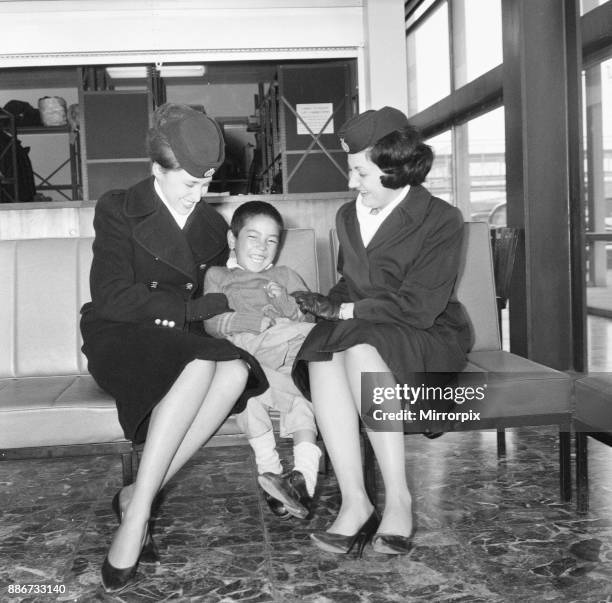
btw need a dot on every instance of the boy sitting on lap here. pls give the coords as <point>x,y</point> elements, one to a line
<point>268,323</point>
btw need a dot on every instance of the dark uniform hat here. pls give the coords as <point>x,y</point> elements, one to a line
<point>366,129</point>
<point>197,143</point>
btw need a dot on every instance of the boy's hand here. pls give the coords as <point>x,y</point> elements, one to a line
<point>266,323</point>
<point>274,290</point>
<point>280,299</point>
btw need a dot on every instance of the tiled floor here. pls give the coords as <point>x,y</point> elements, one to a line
<point>488,531</point>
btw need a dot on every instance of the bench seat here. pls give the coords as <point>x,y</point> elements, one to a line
<point>518,387</point>
<point>592,418</point>
<point>520,392</point>
<point>49,404</point>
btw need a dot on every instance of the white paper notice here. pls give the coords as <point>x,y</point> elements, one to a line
<point>315,115</point>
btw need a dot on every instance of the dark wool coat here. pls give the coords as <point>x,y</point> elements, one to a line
<point>401,285</point>
<point>146,268</point>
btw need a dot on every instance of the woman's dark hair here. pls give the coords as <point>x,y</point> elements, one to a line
<point>158,147</point>
<point>250,209</point>
<point>403,157</point>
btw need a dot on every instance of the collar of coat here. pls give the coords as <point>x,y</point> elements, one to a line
<point>203,237</point>
<point>414,205</point>
<point>411,211</point>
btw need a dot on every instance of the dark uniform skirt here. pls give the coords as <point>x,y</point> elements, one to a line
<point>138,365</point>
<point>435,354</point>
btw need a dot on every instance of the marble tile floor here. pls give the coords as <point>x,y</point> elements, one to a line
<point>488,531</point>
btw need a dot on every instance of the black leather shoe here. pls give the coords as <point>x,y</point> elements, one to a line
<point>150,553</point>
<point>296,478</point>
<point>341,544</point>
<point>115,579</point>
<point>277,507</point>
<point>392,544</point>
<point>433,435</point>
<point>281,488</point>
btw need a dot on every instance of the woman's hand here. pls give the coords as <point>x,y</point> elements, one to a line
<point>317,304</point>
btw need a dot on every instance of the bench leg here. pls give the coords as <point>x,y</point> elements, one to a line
<point>501,442</point>
<point>127,469</point>
<point>324,459</point>
<point>565,468</point>
<point>582,472</point>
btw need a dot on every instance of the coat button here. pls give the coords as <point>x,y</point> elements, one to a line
<point>153,284</point>
<point>189,286</point>
<point>158,321</point>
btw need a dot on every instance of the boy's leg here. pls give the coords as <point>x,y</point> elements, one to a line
<point>297,487</point>
<point>254,421</point>
<point>300,422</point>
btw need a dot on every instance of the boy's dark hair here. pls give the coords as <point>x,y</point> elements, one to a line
<point>250,209</point>
<point>403,157</point>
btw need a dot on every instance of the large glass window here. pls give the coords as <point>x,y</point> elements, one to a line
<point>469,168</point>
<point>440,178</point>
<point>481,20</point>
<point>597,94</point>
<point>428,61</point>
<point>450,44</point>
<point>587,5</point>
<point>487,168</point>
<point>476,38</point>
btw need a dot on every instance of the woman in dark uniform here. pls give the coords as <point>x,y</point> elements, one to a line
<point>391,313</point>
<point>143,331</point>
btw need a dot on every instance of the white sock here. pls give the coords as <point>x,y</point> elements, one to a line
<point>306,460</point>
<point>266,456</point>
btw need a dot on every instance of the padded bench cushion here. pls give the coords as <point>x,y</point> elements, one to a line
<point>53,411</point>
<point>49,411</point>
<point>47,398</point>
<point>594,401</point>
<point>517,386</point>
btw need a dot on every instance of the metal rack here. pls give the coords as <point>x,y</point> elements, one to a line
<point>43,183</point>
<point>298,117</point>
<point>268,140</point>
<point>8,156</point>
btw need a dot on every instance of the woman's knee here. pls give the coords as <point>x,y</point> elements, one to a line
<point>236,371</point>
<point>361,350</point>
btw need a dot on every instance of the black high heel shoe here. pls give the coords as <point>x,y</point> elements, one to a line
<point>150,553</point>
<point>341,544</point>
<point>392,544</point>
<point>115,579</point>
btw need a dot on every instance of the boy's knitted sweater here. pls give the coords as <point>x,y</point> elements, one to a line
<point>247,296</point>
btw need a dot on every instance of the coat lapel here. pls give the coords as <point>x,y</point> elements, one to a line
<point>410,213</point>
<point>353,234</point>
<point>206,233</point>
<point>156,231</point>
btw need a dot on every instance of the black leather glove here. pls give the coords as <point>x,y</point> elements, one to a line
<point>205,307</point>
<point>317,304</point>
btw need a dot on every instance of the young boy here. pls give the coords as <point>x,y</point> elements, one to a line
<point>268,323</point>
